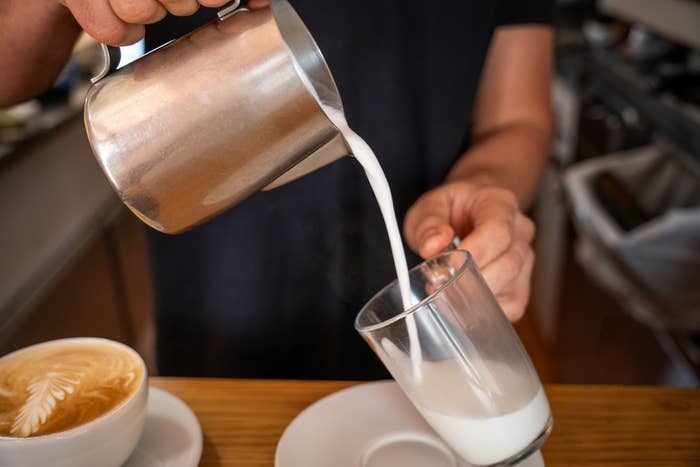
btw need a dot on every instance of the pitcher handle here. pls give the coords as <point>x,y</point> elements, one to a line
<point>111,56</point>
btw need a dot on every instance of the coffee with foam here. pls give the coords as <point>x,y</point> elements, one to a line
<point>61,385</point>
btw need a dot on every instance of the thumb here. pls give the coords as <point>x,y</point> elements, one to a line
<point>427,225</point>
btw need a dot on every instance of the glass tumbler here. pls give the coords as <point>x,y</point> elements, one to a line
<point>458,359</point>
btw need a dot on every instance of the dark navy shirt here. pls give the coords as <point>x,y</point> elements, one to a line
<point>271,287</point>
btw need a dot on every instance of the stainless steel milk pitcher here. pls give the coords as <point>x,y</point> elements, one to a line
<point>200,124</point>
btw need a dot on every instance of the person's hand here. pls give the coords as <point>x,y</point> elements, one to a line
<point>491,227</point>
<point>121,22</point>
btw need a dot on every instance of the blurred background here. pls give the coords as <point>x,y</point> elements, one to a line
<point>616,291</point>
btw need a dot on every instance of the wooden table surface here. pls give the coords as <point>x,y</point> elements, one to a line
<point>242,420</point>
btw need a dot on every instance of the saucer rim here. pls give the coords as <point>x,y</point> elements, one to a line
<point>173,402</point>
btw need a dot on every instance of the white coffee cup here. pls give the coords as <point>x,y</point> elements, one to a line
<point>106,441</point>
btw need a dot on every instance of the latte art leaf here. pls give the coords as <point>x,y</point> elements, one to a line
<point>58,386</point>
<point>44,396</point>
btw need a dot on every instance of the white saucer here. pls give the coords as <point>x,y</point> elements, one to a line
<point>369,425</point>
<point>172,436</point>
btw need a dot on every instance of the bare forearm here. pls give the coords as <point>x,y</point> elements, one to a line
<point>511,157</point>
<point>36,39</point>
<point>512,116</point>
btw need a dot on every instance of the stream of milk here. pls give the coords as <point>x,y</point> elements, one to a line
<point>377,180</point>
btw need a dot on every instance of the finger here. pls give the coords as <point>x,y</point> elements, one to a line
<point>255,4</point>
<point>181,7</point>
<point>492,217</point>
<point>138,11</point>
<point>514,300</point>
<point>213,3</point>
<point>506,268</point>
<point>527,228</point>
<point>435,235</point>
<point>427,224</point>
<point>98,19</point>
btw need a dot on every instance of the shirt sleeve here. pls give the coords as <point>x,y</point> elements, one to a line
<point>524,11</point>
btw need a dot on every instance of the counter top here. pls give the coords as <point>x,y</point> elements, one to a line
<point>242,420</point>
